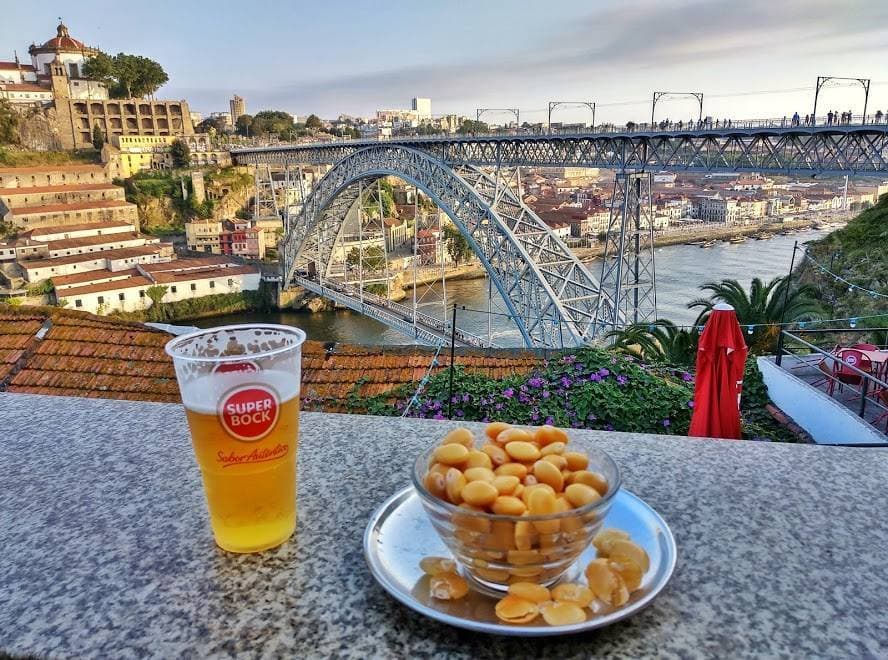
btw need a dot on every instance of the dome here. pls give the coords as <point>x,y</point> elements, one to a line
<point>63,40</point>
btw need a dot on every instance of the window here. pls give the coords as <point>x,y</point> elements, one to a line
<point>78,303</point>
<point>212,284</point>
<point>230,282</point>
<point>141,293</point>
<point>193,286</point>
<point>173,289</point>
<point>121,296</point>
<point>101,300</point>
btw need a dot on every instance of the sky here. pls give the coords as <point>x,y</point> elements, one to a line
<point>750,58</point>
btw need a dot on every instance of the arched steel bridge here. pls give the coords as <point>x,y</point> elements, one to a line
<point>552,297</point>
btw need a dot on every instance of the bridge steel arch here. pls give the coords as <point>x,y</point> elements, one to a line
<point>552,297</point>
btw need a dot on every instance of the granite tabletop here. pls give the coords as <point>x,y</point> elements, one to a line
<point>106,551</point>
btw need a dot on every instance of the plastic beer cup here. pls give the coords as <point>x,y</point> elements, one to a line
<point>240,388</point>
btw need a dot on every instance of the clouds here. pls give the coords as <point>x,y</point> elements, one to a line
<point>640,42</point>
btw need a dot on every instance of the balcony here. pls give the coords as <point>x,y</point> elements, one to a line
<point>109,550</point>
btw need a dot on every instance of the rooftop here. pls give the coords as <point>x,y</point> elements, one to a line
<point>104,239</point>
<point>76,206</point>
<point>120,253</point>
<point>83,226</point>
<point>74,187</point>
<point>92,276</point>
<point>24,87</point>
<point>131,282</point>
<point>15,66</point>
<point>33,169</point>
<point>171,277</point>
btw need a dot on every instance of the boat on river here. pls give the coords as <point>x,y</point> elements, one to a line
<point>707,244</point>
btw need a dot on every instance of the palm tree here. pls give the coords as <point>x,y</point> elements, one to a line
<point>155,294</point>
<point>763,306</point>
<point>659,341</point>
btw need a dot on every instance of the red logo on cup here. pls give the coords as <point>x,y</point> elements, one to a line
<point>249,412</point>
<point>241,367</point>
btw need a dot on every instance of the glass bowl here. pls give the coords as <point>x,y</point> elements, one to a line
<point>494,551</point>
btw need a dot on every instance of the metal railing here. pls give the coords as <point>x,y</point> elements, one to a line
<point>870,385</point>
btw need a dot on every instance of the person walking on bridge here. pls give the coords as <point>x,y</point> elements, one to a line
<point>795,119</point>
<point>829,118</point>
<point>878,116</point>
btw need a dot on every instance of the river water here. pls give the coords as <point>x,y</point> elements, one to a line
<point>681,269</point>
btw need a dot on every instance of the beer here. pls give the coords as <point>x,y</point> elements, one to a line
<point>243,414</point>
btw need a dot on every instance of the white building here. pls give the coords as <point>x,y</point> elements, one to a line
<point>112,260</point>
<point>718,209</point>
<point>422,107</point>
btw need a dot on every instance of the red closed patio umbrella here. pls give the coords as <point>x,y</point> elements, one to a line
<point>721,357</point>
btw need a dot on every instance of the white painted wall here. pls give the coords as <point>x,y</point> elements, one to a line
<point>827,420</point>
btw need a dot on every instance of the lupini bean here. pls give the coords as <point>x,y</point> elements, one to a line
<point>461,436</point>
<point>631,572</point>
<point>448,586</point>
<point>580,495</point>
<point>435,484</point>
<point>506,505</point>
<point>557,460</point>
<point>478,459</point>
<point>452,454</point>
<point>542,502</point>
<point>547,473</point>
<point>593,479</point>
<point>513,469</point>
<point>576,460</point>
<point>513,609</point>
<point>605,583</point>
<point>632,550</point>
<point>605,538</point>
<point>554,448</point>
<point>495,428</point>
<point>525,535</point>
<point>546,435</point>
<point>563,614</point>
<point>479,474</point>
<point>469,522</point>
<point>455,481</point>
<point>514,434</point>
<point>506,484</point>
<point>437,565</point>
<point>519,450</point>
<point>497,455</point>
<point>479,493</point>
<point>535,593</point>
<point>573,593</point>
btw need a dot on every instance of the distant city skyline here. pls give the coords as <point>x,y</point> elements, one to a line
<point>362,57</point>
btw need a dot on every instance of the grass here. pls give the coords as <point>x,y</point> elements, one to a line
<point>10,157</point>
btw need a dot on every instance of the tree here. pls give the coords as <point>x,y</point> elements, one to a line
<point>155,294</point>
<point>660,341</point>
<point>98,138</point>
<point>211,124</point>
<point>9,121</point>
<point>243,125</point>
<point>313,122</point>
<point>181,153</point>
<point>271,122</point>
<point>457,246</point>
<point>126,76</point>
<point>472,126</point>
<point>762,306</point>
<point>373,257</point>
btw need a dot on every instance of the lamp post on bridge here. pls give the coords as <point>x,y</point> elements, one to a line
<point>555,104</point>
<point>515,111</point>
<point>658,95</point>
<point>823,80</point>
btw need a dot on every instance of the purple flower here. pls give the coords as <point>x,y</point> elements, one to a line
<point>580,367</point>
<point>508,392</point>
<point>546,394</point>
<point>686,377</point>
<point>569,359</point>
<point>604,373</point>
<point>438,415</point>
<point>690,404</point>
<point>667,423</point>
<point>566,381</point>
<point>595,378</point>
<point>466,398</point>
<point>535,416</point>
<point>591,417</point>
<point>550,421</point>
<point>499,406</point>
<point>622,380</point>
<point>523,388</point>
<point>536,381</point>
<point>609,427</point>
<point>454,399</point>
<point>459,413</point>
<point>613,360</point>
<point>485,420</point>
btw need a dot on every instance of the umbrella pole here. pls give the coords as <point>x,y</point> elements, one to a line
<point>779,358</point>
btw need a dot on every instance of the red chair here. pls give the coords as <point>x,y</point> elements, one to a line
<point>866,347</point>
<point>846,376</point>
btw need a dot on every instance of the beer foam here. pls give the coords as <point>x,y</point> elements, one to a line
<point>202,394</point>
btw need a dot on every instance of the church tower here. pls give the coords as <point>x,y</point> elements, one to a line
<point>59,78</point>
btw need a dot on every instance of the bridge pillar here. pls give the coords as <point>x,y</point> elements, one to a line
<point>627,270</point>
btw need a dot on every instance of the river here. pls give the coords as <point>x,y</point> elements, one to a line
<point>681,269</point>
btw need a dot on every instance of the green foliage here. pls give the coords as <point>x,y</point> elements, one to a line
<point>757,421</point>
<point>371,201</point>
<point>457,245</point>
<point>211,125</point>
<point>190,308</point>
<point>180,153</point>
<point>9,121</point>
<point>660,341</point>
<point>470,126</point>
<point>271,122</point>
<point>20,158</point>
<point>373,257</point>
<point>763,304</point>
<point>41,288</point>
<point>314,123</point>
<point>127,76</point>
<point>428,129</point>
<point>157,311</point>
<point>345,132</point>
<point>98,138</point>
<point>377,288</point>
<point>244,125</point>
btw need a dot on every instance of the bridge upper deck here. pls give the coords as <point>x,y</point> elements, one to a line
<point>769,146</point>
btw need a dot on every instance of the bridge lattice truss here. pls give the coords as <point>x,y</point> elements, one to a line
<point>860,150</point>
<point>551,296</point>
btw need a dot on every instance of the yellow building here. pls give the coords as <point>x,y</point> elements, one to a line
<point>129,154</point>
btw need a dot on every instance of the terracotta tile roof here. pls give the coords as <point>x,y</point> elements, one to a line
<point>24,87</point>
<point>192,262</point>
<point>92,356</point>
<point>52,168</point>
<point>92,276</point>
<point>201,274</point>
<point>133,282</point>
<point>104,239</point>
<point>120,253</point>
<point>74,187</point>
<point>65,229</point>
<point>76,206</point>
<point>12,66</point>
